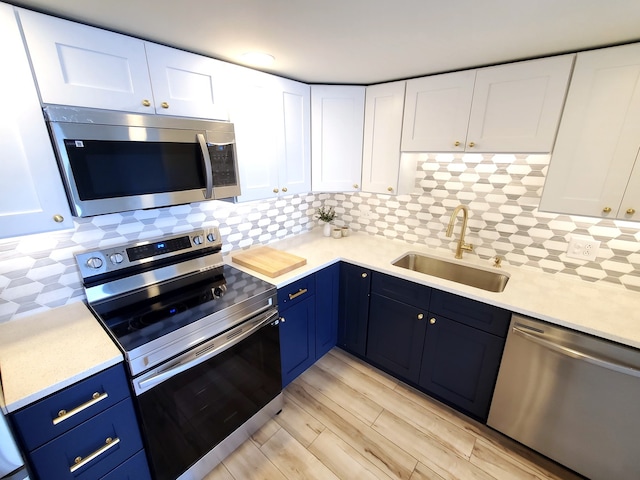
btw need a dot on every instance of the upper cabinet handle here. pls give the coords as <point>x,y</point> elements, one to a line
<point>456,144</point>
<point>146,103</point>
<point>606,209</point>
<point>164,105</point>
<point>471,144</point>
<point>631,211</point>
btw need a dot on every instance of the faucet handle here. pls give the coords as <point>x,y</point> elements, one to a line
<point>467,246</point>
<point>497,261</point>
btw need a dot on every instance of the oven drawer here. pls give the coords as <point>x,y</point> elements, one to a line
<point>81,401</point>
<point>296,292</point>
<point>92,449</point>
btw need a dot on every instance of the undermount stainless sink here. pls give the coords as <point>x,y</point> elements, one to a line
<point>467,275</point>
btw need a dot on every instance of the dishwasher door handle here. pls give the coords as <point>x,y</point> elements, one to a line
<point>577,354</point>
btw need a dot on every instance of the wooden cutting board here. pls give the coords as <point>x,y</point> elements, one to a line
<point>269,261</point>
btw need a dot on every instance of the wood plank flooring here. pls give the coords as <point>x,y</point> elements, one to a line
<point>343,419</point>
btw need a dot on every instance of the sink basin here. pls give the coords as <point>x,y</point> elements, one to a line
<point>467,275</point>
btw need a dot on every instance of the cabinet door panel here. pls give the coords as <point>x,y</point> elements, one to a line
<point>186,82</point>
<point>336,138</point>
<point>460,365</point>
<point>355,284</point>
<point>396,336</point>
<point>630,206</point>
<point>436,112</point>
<point>327,295</point>
<point>297,339</point>
<point>517,107</point>
<point>598,137</point>
<point>79,65</point>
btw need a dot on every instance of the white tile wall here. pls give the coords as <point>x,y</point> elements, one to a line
<point>502,191</point>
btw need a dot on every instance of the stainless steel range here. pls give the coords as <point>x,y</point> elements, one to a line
<point>201,341</point>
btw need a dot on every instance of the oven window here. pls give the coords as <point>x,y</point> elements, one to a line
<point>186,416</point>
<point>110,169</point>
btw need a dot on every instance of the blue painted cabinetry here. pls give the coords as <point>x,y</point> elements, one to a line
<point>308,311</point>
<point>87,431</point>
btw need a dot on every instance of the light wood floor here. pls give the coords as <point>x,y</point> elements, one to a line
<point>343,419</point>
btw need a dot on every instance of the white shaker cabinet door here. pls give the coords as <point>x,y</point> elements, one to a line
<point>184,84</point>
<point>382,132</point>
<point>599,136</point>
<point>436,112</point>
<point>337,123</point>
<point>79,65</point>
<point>517,107</point>
<point>32,198</point>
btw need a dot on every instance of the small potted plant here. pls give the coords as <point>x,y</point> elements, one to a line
<point>326,216</point>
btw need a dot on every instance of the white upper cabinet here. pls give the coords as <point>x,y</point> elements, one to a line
<point>595,166</point>
<point>507,108</point>
<point>337,122</point>
<point>78,65</point>
<point>382,133</point>
<point>32,199</point>
<point>271,116</point>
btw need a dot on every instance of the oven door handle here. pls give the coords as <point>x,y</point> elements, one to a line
<point>206,161</point>
<point>208,350</point>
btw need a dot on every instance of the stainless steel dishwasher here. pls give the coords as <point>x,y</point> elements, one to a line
<point>572,397</point>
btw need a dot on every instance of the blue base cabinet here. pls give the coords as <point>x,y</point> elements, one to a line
<point>353,318</point>
<point>308,315</point>
<point>88,431</point>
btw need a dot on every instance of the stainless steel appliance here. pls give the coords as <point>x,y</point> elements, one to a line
<point>572,397</point>
<point>113,161</point>
<point>201,341</point>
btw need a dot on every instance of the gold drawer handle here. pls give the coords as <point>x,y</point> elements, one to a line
<point>302,291</point>
<point>80,462</point>
<point>64,415</point>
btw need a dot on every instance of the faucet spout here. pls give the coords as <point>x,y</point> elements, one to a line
<point>465,217</point>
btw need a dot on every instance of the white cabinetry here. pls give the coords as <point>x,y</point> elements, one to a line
<point>32,198</point>
<point>381,163</point>
<point>272,123</point>
<point>337,114</point>
<point>507,108</point>
<point>595,166</point>
<point>83,66</point>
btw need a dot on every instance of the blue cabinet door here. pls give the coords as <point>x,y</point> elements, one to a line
<point>327,295</point>
<point>355,285</point>
<point>297,339</point>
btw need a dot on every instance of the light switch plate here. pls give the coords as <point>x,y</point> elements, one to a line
<point>582,247</point>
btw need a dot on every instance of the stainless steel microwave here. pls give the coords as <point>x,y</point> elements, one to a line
<point>113,161</point>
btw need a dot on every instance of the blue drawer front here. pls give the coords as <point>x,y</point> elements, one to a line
<point>35,422</point>
<point>296,292</point>
<point>136,468</point>
<point>53,460</point>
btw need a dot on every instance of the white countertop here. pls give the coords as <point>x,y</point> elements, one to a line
<point>601,309</point>
<point>46,352</point>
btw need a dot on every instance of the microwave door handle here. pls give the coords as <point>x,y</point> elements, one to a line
<point>206,159</point>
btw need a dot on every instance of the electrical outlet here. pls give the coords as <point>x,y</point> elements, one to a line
<point>585,248</point>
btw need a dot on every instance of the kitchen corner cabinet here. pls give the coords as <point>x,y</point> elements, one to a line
<point>353,317</point>
<point>595,166</point>
<point>87,431</point>
<point>83,66</point>
<point>514,107</point>
<point>272,118</point>
<point>32,198</point>
<point>309,323</point>
<point>337,113</point>
<point>382,170</point>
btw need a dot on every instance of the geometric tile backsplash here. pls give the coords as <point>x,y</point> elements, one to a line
<point>38,272</point>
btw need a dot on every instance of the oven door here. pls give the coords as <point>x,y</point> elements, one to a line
<point>194,402</point>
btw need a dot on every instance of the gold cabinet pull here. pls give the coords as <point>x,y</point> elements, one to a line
<point>432,320</point>
<point>302,291</point>
<point>80,462</point>
<point>164,105</point>
<point>606,209</point>
<point>631,211</point>
<point>284,189</point>
<point>146,103</point>
<point>390,189</point>
<point>364,275</point>
<point>456,144</point>
<point>420,316</point>
<point>65,415</point>
<point>275,190</point>
<point>355,185</point>
<point>58,218</point>
<point>471,144</point>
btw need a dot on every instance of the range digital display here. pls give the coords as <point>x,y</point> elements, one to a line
<point>158,248</point>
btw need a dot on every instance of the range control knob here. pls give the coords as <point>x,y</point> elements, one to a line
<point>211,237</point>
<point>116,258</point>
<point>197,240</point>
<point>94,262</point>
<point>219,291</point>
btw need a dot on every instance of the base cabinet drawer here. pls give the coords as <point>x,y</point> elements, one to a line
<point>92,449</point>
<point>136,468</point>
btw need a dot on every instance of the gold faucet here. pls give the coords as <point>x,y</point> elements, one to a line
<point>465,216</point>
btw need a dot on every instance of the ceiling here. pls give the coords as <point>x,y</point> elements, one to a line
<point>364,41</point>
